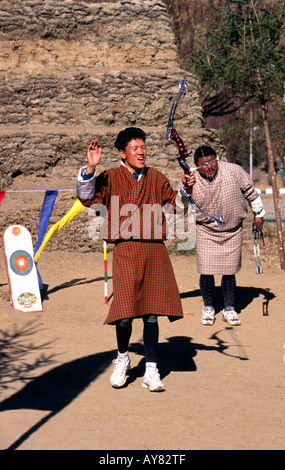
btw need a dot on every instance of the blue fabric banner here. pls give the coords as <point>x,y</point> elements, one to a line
<point>46,210</point>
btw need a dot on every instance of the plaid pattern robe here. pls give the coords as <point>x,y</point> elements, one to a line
<point>219,248</point>
<point>143,277</point>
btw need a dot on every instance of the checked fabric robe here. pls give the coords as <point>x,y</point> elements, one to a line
<point>219,248</point>
<point>143,277</point>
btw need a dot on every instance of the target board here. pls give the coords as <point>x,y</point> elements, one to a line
<point>21,269</point>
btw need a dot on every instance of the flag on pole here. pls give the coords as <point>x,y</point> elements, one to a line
<point>105,272</point>
<point>73,212</point>
<point>46,210</point>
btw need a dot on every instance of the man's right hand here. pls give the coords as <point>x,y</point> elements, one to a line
<point>189,179</point>
<point>93,155</point>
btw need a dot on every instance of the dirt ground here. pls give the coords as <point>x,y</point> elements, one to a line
<point>224,385</point>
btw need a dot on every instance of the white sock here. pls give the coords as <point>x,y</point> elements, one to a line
<point>150,364</point>
<point>124,356</point>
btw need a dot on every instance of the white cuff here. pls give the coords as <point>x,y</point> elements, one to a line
<point>257,207</point>
<point>85,188</point>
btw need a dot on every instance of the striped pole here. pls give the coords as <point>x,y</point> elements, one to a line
<point>105,272</point>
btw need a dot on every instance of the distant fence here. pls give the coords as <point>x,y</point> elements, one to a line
<point>270,218</point>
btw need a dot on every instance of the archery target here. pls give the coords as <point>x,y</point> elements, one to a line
<point>21,262</point>
<point>21,269</point>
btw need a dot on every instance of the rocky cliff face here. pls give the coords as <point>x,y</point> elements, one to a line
<point>74,70</point>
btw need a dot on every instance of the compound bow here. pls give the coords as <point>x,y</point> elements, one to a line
<point>172,134</point>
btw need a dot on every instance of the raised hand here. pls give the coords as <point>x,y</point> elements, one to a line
<point>93,155</point>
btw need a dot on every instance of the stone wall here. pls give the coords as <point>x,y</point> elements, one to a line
<point>74,70</point>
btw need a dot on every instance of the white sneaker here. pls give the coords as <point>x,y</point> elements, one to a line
<point>152,380</point>
<point>231,317</point>
<point>118,377</point>
<point>208,316</point>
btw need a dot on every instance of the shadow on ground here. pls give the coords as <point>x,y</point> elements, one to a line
<point>57,388</point>
<point>244,297</point>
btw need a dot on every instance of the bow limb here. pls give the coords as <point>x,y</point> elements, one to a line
<point>183,87</point>
<point>219,219</point>
<point>172,134</point>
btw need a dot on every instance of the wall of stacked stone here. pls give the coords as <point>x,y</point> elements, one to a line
<point>74,70</point>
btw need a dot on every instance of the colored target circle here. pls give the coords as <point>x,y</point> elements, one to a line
<point>21,262</point>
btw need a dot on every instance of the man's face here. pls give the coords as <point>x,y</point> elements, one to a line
<point>209,166</point>
<point>134,156</point>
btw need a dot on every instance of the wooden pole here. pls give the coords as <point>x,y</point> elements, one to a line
<point>105,272</point>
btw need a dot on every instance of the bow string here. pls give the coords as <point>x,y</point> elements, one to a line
<point>172,134</point>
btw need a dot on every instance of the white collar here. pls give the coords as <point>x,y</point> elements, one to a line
<point>139,172</point>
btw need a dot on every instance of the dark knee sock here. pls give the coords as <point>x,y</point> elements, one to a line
<point>123,331</point>
<point>150,337</point>
<point>207,286</point>
<point>229,289</point>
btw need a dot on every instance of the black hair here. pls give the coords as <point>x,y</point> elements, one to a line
<point>125,136</point>
<point>203,151</point>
